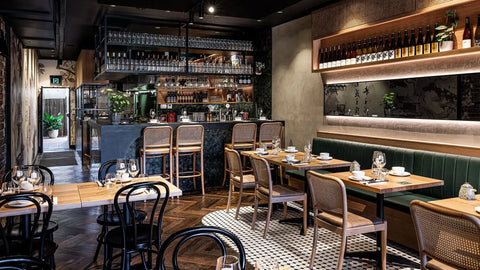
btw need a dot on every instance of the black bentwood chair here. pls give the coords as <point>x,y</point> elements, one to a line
<point>33,241</point>
<point>22,262</point>
<point>133,237</point>
<point>109,217</point>
<point>187,234</point>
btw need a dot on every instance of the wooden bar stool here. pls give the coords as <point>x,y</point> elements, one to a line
<point>189,142</point>
<point>157,143</point>
<point>268,131</point>
<point>243,138</point>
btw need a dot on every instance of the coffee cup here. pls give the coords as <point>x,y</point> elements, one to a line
<point>398,170</point>
<point>260,150</point>
<point>291,149</point>
<point>124,176</point>
<point>324,155</point>
<point>290,157</point>
<point>358,174</point>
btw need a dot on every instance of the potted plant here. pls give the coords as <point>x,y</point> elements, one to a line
<point>118,102</point>
<point>52,124</point>
<point>388,99</point>
<point>446,33</point>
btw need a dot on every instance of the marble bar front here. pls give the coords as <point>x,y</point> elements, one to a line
<point>109,142</point>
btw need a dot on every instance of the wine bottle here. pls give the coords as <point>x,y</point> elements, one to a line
<point>434,47</point>
<point>419,46</point>
<point>339,56</point>
<point>411,48</point>
<point>368,57</point>
<point>386,48</point>
<point>329,58</point>
<point>364,51</point>
<point>427,44</point>
<point>320,59</point>
<point>343,56</point>
<point>347,55</point>
<point>358,59</point>
<point>391,50</point>
<point>353,54</point>
<point>334,56</point>
<point>399,47</point>
<point>467,34</point>
<point>380,49</point>
<point>405,44</point>
<point>373,55</point>
<point>477,32</point>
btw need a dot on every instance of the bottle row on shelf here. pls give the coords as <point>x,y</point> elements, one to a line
<point>186,97</point>
<point>227,95</point>
<point>380,48</point>
<point>220,65</point>
<point>149,39</point>
<point>177,83</point>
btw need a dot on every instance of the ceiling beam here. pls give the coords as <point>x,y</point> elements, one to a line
<point>38,38</point>
<point>24,12</point>
<point>38,48</point>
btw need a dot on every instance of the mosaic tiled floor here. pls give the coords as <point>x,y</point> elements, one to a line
<point>292,249</point>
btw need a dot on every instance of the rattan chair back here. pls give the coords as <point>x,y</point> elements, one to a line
<point>262,173</point>
<point>190,135</point>
<point>244,133</point>
<point>156,137</point>
<point>234,162</point>
<point>450,237</point>
<point>270,130</point>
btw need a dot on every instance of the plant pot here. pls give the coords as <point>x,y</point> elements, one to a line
<point>53,133</point>
<point>388,112</point>
<point>445,45</point>
<point>116,118</point>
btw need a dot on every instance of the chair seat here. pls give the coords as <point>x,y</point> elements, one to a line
<point>111,218</point>
<point>19,248</point>
<point>437,265</point>
<point>114,237</point>
<point>240,145</point>
<point>156,151</point>
<point>269,144</point>
<point>52,226</point>
<point>282,191</point>
<point>187,149</point>
<point>354,220</point>
<point>248,180</point>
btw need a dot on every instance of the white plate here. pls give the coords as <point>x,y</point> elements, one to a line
<point>135,192</point>
<point>329,158</point>
<point>293,161</point>
<point>124,181</point>
<point>477,209</point>
<point>399,174</point>
<point>20,204</point>
<point>365,178</point>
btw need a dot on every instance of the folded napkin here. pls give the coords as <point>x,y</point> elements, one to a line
<point>375,183</point>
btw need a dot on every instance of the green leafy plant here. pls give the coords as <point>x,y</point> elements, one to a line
<point>447,32</point>
<point>52,122</point>
<point>388,99</point>
<point>118,101</point>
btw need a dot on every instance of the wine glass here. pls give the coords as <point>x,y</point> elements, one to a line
<point>228,262</point>
<point>152,113</point>
<point>308,152</point>
<point>18,177</point>
<point>47,190</point>
<point>259,113</point>
<point>133,167</point>
<point>379,160</point>
<point>34,176</point>
<point>266,264</point>
<point>276,144</point>
<point>121,167</point>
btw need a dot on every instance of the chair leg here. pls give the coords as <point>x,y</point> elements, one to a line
<point>99,243</point>
<point>255,213</point>
<point>284,210</point>
<point>314,246</point>
<point>224,168</point>
<point>194,167</point>
<point>164,170</point>
<point>201,172</point>
<point>384,249</point>
<point>230,191</point>
<point>239,200</point>
<point>267,222</point>
<point>305,215</point>
<point>170,158</point>
<point>342,252</point>
<point>144,163</point>
<point>280,172</point>
<point>177,157</point>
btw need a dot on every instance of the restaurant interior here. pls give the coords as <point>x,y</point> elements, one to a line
<point>240,134</point>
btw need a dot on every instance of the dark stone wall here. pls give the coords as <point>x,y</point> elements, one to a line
<point>3,75</point>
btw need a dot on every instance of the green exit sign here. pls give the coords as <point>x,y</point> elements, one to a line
<point>56,80</point>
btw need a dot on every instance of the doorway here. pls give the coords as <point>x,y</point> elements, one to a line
<point>55,136</point>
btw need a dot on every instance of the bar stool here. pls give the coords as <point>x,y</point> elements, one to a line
<point>243,138</point>
<point>268,131</point>
<point>189,142</point>
<point>157,143</point>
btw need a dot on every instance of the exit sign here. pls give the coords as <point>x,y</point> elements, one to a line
<point>56,80</point>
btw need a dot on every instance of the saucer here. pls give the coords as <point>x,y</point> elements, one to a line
<point>293,161</point>
<point>329,158</point>
<point>19,204</point>
<point>477,209</point>
<point>399,174</point>
<point>365,178</point>
<point>286,151</point>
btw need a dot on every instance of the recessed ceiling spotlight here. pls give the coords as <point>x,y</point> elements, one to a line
<point>52,51</point>
<point>167,11</point>
<point>113,5</point>
<point>259,20</point>
<point>211,9</point>
<point>157,27</point>
<point>280,12</point>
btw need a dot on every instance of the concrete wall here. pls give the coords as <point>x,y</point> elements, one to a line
<point>297,93</point>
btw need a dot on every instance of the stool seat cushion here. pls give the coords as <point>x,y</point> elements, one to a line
<point>240,145</point>
<point>353,220</point>
<point>156,151</point>
<point>187,149</point>
<point>282,191</point>
<point>248,180</point>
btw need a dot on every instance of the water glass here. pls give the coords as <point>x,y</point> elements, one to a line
<point>133,168</point>
<point>110,179</point>
<point>121,166</point>
<point>228,262</point>
<point>266,264</point>
<point>383,175</point>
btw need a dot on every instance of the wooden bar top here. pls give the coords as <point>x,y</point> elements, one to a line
<point>392,185</point>
<point>457,204</point>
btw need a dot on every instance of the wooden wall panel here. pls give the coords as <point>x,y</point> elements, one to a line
<point>85,68</point>
<point>420,4</point>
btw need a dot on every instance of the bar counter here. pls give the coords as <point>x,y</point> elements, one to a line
<point>109,142</point>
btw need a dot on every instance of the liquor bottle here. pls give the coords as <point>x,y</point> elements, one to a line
<point>320,58</point>
<point>334,56</point>
<point>380,49</point>
<point>467,34</point>
<point>339,56</point>
<point>427,44</point>
<point>364,51</point>
<point>386,48</point>
<point>347,55</point>
<point>343,56</point>
<point>399,47</point>
<point>353,54</point>
<point>411,48</point>
<point>391,51</point>
<point>329,57</point>
<point>373,55</point>
<point>358,59</point>
<point>477,32</point>
<point>368,57</point>
<point>434,47</point>
<point>405,44</point>
<point>419,46</point>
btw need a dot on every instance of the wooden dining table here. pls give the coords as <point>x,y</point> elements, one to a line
<point>393,184</point>
<point>461,205</point>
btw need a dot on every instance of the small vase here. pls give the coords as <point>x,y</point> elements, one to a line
<point>53,133</point>
<point>446,45</point>
<point>116,118</point>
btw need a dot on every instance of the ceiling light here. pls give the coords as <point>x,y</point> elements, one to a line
<point>113,5</point>
<point>167,11</point>
<point>157,27</point>
<point>211,9</point>
<point>279,12</point>
<point>201,11</point>
<point>52,51</point>
<point>259,20</point>
<point>190,17</point>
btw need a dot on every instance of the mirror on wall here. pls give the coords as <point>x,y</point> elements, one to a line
<point>453,97</point>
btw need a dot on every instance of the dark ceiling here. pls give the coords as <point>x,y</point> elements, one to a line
<point>60,28</point>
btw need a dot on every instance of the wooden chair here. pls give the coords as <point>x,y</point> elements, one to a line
<point>329,201</point>
<point>23,262</point>
<point>268,131</point>
<point>237,178</point>
<point>157,143</point>
<point>189,142</point>
<point>446,239</point>
<point>243,138</point>
<point>266,191</point>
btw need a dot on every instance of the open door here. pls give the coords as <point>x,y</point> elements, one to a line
<point>55,102</point>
